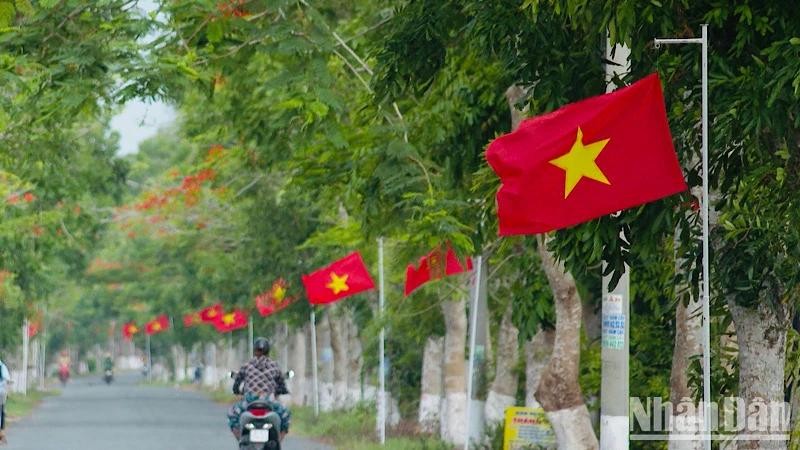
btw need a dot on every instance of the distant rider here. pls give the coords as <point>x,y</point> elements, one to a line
<point>108,363</point>
<point>260,378</point>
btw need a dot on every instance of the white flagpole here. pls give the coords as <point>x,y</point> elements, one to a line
<point>705,287</point>
<point>381,349</point>
<point>314,361</point>
<point>25,357</point>
<point>473,329</point>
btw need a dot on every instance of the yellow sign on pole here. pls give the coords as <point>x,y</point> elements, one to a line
<point>527,428</point>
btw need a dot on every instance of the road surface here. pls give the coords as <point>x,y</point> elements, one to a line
<point>124,416</point>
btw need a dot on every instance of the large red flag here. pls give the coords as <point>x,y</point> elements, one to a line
<point>585,160</point>
<point>341,279</point>
<point>157,325</point>
<point>210,314</point>
<point>274,300</point>
<point>431,267</point>
<point>33,328</point>
<point>129,330</point>
<point>231,321</point>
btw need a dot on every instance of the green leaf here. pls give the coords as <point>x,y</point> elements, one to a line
<point>7,12</point>
<point>215,31</point>
<point>795,41</point>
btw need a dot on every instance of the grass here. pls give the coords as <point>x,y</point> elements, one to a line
<point>19,405</point>
<point>355,430</point>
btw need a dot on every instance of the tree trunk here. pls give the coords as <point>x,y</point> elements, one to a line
<point>537,356</point>
<point>454,427</point>
<point>430,402</point>
<point>688,326</point>
<point>355,363</point>
<point>503,391</point>
<point>341,360</point>
<point>298,386</point>
<point>325,361</point>
<point>559,391</point>
<point>761,335</point>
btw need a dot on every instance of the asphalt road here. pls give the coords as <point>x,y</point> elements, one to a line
<point>124,416</point>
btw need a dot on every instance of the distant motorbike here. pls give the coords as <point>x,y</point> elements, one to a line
<point>108,376</point>
<point>63,375</point>
<point>259,424</point>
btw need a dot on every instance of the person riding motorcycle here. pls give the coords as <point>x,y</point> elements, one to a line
<point>260,378</point>
<point>108,363</point>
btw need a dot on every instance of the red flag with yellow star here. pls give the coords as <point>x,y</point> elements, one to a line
<point>341,279</point>
<point>585,160</point>
<point>157,325</point>
<point>433,266</point>
<point>129,330</point>
<point>274,300</point>
<point>210,314</point>
<point>230,321</point>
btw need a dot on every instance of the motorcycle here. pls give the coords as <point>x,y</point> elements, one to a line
<point>259,425</point>
<point>108,376</point>
<point>63,375</point>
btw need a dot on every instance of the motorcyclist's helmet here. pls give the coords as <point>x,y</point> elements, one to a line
<point>261,344</point>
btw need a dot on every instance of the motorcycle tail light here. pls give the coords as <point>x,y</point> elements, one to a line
<point>258,412</point>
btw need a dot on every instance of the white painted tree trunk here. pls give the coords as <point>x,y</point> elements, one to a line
<point>297,362</point>
<point>688,327</point>
<point>559,391</point>
<point>355,362</point>
<point>537,356</point>
<point>453,418</point>
<point>430,402</point>
<point>502,393</point>
<point>341,359</point>
<point>761,335</point>
<point>326,362</point>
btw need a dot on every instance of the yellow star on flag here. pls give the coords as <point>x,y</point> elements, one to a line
<point>279,293</point>
<point>580,163</point>
<point>229,319</point>
<point>157,326</point>
<point>338,283</point>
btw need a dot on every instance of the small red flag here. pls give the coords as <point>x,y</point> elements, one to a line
<point>341,279</point>
<point>274,300</point>
<point>231,321</point>
<point>585,160</point>
<point>157,325</point>
<point>33,329</point>
<point>211,313</point>
<point>129,330</point>
<point>191,319</point>
<point>430,268</point>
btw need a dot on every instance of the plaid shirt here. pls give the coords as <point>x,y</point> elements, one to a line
<point>263,377</point>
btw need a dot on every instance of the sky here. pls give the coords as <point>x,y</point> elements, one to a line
<point>139,120</point>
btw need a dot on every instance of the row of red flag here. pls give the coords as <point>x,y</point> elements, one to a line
<point>337,281</point>
<point>583,161</point>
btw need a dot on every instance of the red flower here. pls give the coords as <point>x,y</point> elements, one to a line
<point>13,199</point>
<point>29,197</point>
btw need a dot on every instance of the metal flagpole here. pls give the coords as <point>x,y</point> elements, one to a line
<point>615,314</point>
<point>250,337</point>
<point>381,349</point>
<point>314,368</point>
<point>25,357</point>
<point>149,359</point>
<point>705,288</point>
<point>473,329</point>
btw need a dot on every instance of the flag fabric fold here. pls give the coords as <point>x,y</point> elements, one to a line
<point>341,279</point>
<point>157,325</point>
<point>586,160</point>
